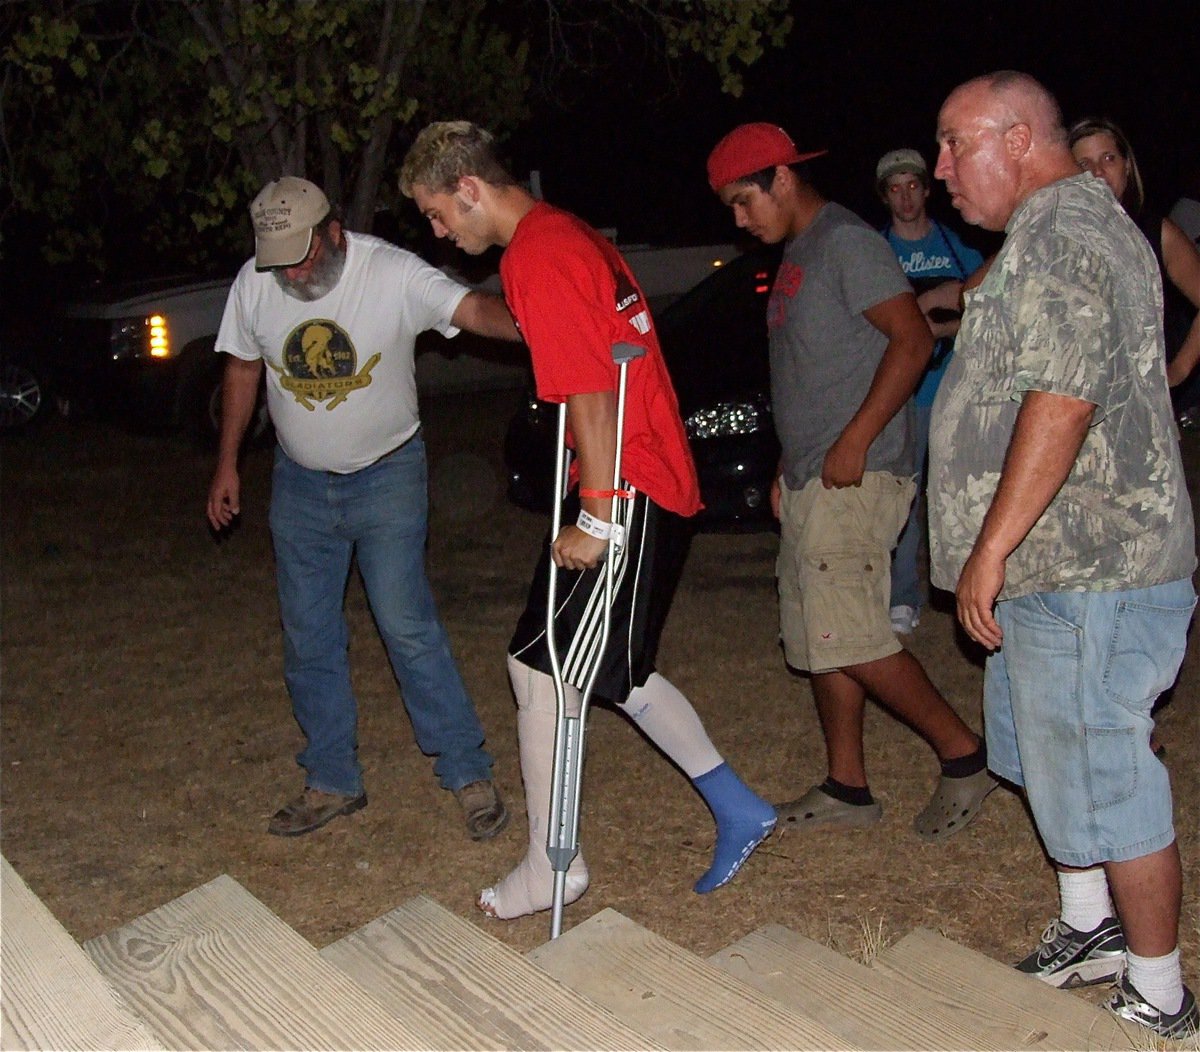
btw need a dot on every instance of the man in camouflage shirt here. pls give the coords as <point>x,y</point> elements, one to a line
<point>1059,516</point>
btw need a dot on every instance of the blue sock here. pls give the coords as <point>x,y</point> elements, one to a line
<point>744,820</point>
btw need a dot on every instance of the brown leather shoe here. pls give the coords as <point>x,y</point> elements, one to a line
<point>311,810</point>
<point>483,809</point>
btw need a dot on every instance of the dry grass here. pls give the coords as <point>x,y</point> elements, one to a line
<point>146,734</point>
<point>871,940</point>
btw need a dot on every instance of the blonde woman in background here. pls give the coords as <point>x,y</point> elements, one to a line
<point>1101,148</point>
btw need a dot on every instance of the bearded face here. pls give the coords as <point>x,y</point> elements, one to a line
<point>320,272</point>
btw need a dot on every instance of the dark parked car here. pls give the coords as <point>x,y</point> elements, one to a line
<point>28,368</point>
<point>25,397</point>
<point>714,340</point>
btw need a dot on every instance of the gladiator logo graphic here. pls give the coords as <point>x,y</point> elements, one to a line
<point>318,364</point>
<point>629,299</point>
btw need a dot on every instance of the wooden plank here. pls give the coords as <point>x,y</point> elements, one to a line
<point>217,969</point>
<point>998,1001</point>
<point>867,1009</point>
<point>51,995</point>
<point>423,962</point>
<point>671,995</point>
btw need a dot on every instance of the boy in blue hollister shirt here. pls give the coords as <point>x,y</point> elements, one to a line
<point>936,263</point>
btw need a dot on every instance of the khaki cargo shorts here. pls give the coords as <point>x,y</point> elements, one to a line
<point>834,570</point>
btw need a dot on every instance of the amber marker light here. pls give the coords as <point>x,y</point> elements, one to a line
<point>160,340</point>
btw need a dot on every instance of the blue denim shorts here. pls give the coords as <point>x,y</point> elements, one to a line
<point>1067,703</point>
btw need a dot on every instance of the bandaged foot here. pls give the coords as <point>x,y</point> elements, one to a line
<point>530,888</point>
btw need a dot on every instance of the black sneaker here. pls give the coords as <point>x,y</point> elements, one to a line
<point>1068,958</point>
<point>1127,1003</point>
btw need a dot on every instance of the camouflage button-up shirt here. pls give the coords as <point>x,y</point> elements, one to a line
<point>1073,306</point>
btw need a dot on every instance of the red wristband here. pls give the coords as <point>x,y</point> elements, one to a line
<point>605,494</point>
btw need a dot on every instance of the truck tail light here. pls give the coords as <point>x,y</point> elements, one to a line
<point>160,339</point>
<point>146,336</point>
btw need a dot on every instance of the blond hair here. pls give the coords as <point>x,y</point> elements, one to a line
<point>1134,197</point>
<point>445,151</point>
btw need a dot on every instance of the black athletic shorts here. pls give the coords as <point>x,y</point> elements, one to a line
<point>644,580</point>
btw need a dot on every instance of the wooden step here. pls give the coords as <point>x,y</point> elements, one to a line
<point>671,995</point>
<point>216,969</point>
<point>424,963</point>
<point>53,996</point>
<point>866,1008</point>
<point>998,1002</point>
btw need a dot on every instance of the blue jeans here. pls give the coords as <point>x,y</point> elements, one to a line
<point>906,581</point>
<point>1066,705</point>
<point>319,520</point>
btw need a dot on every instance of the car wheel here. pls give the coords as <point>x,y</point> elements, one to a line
<point>24,397</point>
<point>203,407</point>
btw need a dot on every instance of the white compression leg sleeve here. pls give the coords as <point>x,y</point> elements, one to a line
<point>530,886</point>
<point>667,718</point>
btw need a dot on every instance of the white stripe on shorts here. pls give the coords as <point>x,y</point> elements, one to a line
<point>583,652</point>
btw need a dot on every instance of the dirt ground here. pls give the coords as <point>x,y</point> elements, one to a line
<point>147,736</point>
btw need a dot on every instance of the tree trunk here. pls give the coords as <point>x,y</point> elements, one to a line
<point>399,35</point>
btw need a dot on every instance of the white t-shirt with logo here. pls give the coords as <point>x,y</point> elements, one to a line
<point>341,385</point>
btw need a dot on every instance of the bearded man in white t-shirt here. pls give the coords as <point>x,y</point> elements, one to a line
<point>334,314</point>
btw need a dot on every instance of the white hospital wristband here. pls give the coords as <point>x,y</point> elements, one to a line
<point>593,526</point>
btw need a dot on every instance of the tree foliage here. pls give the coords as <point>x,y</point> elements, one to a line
<point>141,127</point>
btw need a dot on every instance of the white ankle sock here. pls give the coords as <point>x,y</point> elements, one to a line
<point>1158,979</point>
<point>1083,895</point>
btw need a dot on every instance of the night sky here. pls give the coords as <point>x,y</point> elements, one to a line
<point>863,78</point>
<point>626,149</point>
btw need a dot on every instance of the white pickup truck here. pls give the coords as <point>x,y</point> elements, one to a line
<point>146,352</point>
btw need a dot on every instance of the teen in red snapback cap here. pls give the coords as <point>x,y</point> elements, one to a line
<point>750,148</point>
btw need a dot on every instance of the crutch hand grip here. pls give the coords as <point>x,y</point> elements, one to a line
<point>624,353</point>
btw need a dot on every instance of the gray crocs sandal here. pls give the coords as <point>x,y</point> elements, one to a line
<point>817,808</point>
<point>955,802</point>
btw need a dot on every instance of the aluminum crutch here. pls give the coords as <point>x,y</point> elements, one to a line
<point>562,835</point>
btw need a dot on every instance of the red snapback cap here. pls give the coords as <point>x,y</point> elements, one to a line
<point>750,148</point>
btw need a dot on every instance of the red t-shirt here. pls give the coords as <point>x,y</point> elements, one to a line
<point>574,298</point>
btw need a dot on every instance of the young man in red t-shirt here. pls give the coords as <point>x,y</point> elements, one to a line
<point>574,298</point>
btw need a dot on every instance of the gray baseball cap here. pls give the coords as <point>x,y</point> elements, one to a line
<point>896,161</point>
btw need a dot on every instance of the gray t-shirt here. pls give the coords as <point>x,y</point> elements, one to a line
<point>824,353</point>
<point>1185,214</point>
<point>1071,306</point>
